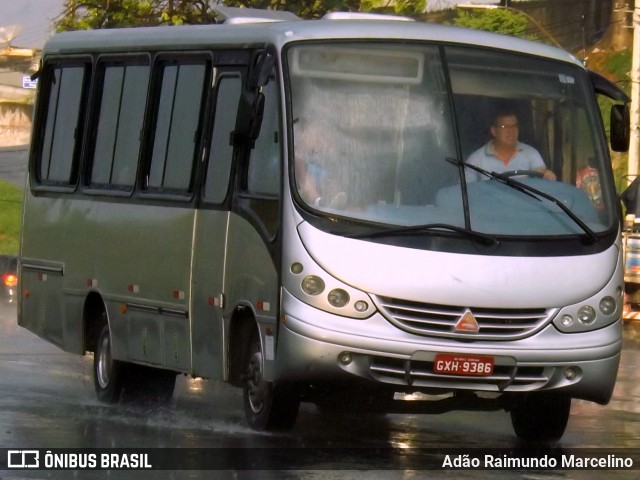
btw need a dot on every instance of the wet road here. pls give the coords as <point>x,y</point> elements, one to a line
<point>47,401</point>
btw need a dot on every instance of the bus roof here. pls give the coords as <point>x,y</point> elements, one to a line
<point>279,33</point>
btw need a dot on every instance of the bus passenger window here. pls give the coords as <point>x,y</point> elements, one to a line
<point>117,145</point>
<point>62,136</point>
<point>221,151</point>
<point>177,124</point>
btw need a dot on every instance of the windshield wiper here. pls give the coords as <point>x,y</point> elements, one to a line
<point>530,191</point>
<point>481,238</point>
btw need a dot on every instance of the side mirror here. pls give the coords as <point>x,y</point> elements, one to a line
<point>251,107</point>
<point>249,119</point>
<point>620,128</point>
<point>257,114</point>
<point>262,67</point>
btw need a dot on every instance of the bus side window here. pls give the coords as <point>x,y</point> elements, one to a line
<point>181,101</point>
<point>228,93</point>
<point>62,117</point>
<point>119,126</point>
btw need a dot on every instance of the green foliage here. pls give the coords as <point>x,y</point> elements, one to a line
<point>10,214</point>
<point>618,64</point>
<point>617,67</point>
<point>94,14</point>
<point>398,7</point>
<point>498,20</point>
<point>302,8</point>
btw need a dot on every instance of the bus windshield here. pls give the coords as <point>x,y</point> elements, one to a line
<point>404,135</point>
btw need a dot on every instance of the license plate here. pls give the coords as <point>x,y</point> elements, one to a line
<point>461,364</point>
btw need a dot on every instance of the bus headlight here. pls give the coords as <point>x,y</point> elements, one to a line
<point>312,285</point>
<point>321,290</point>
<point>608,305</point>
<point>599,312</point>
<point>361,306</point>
<point>338,297</point>
<point>586,315</point>
<point>566,320</point>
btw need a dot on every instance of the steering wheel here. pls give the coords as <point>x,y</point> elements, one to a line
<point>524,173</point>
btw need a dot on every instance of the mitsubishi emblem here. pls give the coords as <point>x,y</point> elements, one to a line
<point>467,323</point>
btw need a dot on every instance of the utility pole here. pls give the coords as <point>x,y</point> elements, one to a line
<point>634,144</point>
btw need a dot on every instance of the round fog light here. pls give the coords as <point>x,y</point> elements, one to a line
<point>338,297</point>
<point>586,315</point>
<point>570,373</point>
<point>345,358</point>
<point>312,285</point>
<point>608,305</point>
<point>297,268</point>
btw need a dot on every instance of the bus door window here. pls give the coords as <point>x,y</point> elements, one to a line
<point>263,176</point>
<point>228,90</point>
<point>261,187</point>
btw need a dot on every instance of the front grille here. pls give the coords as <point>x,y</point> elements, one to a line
<point>440,320</point>
<point>419,373</point>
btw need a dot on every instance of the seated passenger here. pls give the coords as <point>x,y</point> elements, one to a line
<point>504,153</point>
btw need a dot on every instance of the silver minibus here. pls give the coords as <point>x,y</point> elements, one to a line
<point>292,206</point>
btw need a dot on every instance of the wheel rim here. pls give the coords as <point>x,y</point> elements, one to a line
<point>103,370</point>
<point>255,385</point>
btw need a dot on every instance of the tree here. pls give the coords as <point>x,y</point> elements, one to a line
<point>498,20</point>
<point>89,14</point>
<point>397,7</point>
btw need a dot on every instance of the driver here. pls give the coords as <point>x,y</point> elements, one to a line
<point>504,153</point>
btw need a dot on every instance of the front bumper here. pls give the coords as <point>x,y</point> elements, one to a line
<point>314,346</point>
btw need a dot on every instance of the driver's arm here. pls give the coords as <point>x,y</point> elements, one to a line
<point>546,173</point>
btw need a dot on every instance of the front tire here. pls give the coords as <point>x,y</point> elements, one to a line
<point>541,417</point>
<point>267,406</point>
<point>108,374</point>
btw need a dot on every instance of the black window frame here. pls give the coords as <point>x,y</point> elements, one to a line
<point>210,160</point>
<point>102,64</point>
<point>159,64</point>
<point>43,116</point>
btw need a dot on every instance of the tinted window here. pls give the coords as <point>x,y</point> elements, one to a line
<point>119,128</point>
<point>264,164</point>
<point>221,153</point>
<point>62,131</point>
<point>177,125</point>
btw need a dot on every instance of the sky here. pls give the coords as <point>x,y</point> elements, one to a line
<point>33,18</point>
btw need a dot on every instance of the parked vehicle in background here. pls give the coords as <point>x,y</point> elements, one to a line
<point>9,272</point>
<point>287,206</point>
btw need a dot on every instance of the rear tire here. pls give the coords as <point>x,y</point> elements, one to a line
<point>115,380</point>
<point>541,417</point>
<point>267,406</point>
<point>108,374</point>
